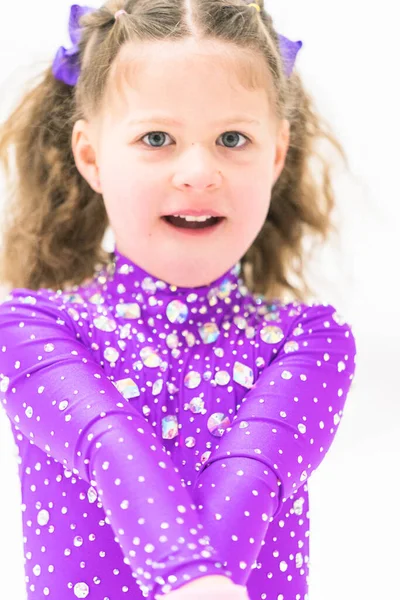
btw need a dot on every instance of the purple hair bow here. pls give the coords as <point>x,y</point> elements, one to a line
<point>66,66</point>
<point>66,63</point>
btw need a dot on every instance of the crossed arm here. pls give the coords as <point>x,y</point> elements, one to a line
<point>98,426</point>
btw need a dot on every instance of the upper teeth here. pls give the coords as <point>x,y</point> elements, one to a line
<point>190,218</point>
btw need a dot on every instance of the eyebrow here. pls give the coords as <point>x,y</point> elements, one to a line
<point>171,121</point>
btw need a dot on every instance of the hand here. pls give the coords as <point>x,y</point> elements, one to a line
<point>211,587</point>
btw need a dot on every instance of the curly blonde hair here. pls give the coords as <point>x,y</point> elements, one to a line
<point>54,223</point>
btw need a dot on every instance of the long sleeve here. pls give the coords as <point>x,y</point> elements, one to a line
<point>59,398</point>
<point>282,430</point>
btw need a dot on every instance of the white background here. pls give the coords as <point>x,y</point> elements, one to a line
<point>350,62</point>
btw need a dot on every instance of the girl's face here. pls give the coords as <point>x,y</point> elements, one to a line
<point>183,138</point>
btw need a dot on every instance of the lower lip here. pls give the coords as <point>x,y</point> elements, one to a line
<point>195,232</point>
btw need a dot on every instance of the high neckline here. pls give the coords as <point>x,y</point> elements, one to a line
<point>136,292</point>
<point>124,273</point>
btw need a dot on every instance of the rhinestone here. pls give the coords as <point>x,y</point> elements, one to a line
<point>192,380</point>
<point>157,387</point>
<point>73,298</point>
<point>286,375</point>
<point>218,423</point>
<point>111,355</point>
<point>250,333</point>
<point>190,442</point>
<point>271,334</point>
<point>128,311</point>
<point>290,347</point>
<point>222,378</point>
<point>150,357</point>
<point>209,333</point>
<point>149,286</point>
<point>125,331</point>
<point>298,506</point>
<point>243,375</point>
<point>105,324</point>
<point>78,541</point>
<point>81,590</point>
<point>4,383</point>
<point>298,331</point>
<point>205,456</point>
<point>177,312</point>
<point>43,517</point>
<point>172,341</point>
<point>207,375</point>
<point>172,389</point>
<point>96,299</point>
<point>92,495</point>
<point>196,405</point>
<point>240,322</point>
<point>190,338</point>
<point>128,388</point>
<point>169,427</point>
<point>28,300</point>
<point>224,289</point>
<point>299,560</point>
<point>272,316</point>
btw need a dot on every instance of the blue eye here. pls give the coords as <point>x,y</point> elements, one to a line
<point>159,137</point>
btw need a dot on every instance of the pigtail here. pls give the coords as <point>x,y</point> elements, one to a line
<point>53,221</point>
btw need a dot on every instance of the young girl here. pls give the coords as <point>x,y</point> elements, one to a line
<point>170,400</point>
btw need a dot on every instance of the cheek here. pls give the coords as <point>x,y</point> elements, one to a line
<point>253,203</point>
<point>130,206</point>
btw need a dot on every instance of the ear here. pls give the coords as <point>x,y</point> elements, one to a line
<point>84,150</point>
<point>282,147</point>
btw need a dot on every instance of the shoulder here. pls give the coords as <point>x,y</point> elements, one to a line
<point>291,314</point>
<point>80,311</point>
<point>45,306</point>
<point>26,300</point>
<point>294,324</point>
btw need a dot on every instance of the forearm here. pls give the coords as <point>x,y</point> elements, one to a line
<point>236,498</point>
<point>281,432</point>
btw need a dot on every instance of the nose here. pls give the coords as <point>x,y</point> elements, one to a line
<point>197,169</point>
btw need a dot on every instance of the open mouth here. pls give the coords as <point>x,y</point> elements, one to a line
<point>193,222</point>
